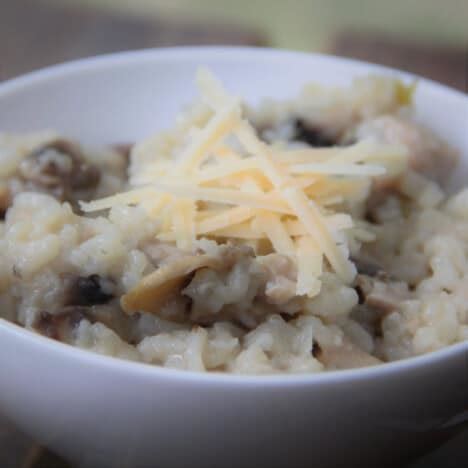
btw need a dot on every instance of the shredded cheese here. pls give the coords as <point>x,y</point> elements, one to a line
<point>127,198</point>
<point>313,221</point>
<point>226,169</point>
<point>271,227</point>
<point>253,230</point>
<point>271,202</point>
<point>225,219</point>
<point>183,223</point>
<point>221,181</point>
<point>216,129</point>
<point>338,169</point>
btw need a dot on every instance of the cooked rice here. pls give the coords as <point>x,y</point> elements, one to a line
<point>64,273</point>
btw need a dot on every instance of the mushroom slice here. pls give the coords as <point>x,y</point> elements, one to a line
<point>5,200</point>
<point>157,288</point>
<point>383,296</point>
<point>345,356</point>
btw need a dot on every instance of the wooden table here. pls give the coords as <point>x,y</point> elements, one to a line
<point>444,64</point>
<point>34,34</point>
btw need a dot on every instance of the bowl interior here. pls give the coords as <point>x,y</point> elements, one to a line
<point>124,97</point>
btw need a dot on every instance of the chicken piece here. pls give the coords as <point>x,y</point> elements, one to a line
<point>379,293</point>
<point>336,350</point>
<point>427,154</point>
<point>344,356</point>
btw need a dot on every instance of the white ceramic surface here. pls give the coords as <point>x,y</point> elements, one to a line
<point>100,411</point>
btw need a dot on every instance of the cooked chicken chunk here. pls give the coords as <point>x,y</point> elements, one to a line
<point>427,154</point>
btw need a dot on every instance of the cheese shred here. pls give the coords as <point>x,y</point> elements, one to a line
<point>223,182</point>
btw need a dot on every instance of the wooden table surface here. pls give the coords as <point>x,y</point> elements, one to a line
<point>34,34</point>
<point>443,64</point>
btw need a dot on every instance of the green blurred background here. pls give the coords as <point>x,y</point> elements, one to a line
<point>427,37</point>
<point>312,24</point>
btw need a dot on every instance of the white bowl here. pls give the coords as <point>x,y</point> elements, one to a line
<point>100,411</point>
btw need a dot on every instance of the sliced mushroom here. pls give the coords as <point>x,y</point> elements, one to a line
<point>61,323</point>
<point>344,356</point>
<point>59,168</point>
<point>158,288</point>
<point>124,149</point>
<point>60,326</point>
<point>5,200</point>
<point>376,288</point>
<point>88,290</point>
<point>368,267</point>
<point>312,135</point>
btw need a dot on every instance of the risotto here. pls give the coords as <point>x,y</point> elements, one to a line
<point>298,236</point>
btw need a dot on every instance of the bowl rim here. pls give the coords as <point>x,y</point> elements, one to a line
<point>228,53</point>
<point>179,52</point>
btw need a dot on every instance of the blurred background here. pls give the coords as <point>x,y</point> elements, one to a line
<point>428,37</point>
